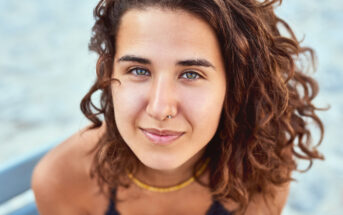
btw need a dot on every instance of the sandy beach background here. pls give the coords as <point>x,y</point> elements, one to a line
<point>46,68</point>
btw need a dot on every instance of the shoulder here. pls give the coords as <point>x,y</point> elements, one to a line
<point>268,205</point>
<point>264,205</point>
<point>61,178</point>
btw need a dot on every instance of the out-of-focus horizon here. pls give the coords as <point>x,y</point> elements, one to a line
<point>46,68</point>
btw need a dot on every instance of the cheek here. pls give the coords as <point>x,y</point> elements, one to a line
<point>202,109</point>
<point>128,102</point>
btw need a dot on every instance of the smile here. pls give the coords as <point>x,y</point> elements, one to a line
<point>161,137</point>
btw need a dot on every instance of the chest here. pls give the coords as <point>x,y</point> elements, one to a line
<point>183,203</point>
<point>134,201</point>
<point>156,207</point>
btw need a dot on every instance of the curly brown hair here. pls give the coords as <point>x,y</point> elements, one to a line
<point>264,124</point>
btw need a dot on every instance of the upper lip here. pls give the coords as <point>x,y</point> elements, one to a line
<point>162,132</point>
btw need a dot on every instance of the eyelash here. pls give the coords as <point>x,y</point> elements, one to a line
<point>188,72</point>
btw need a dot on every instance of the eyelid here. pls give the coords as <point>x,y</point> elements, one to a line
<point>129,71</point>
<point>194,72</point>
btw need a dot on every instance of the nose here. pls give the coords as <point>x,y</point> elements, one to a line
<point>162,99</point>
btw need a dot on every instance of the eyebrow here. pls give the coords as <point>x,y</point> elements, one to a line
<point>187,62</point>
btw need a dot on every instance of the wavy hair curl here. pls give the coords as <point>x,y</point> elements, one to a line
<point>264,126</point>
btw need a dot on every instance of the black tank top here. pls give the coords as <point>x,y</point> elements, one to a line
<point>216,208</point>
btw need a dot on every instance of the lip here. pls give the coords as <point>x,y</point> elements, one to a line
<point>161,137</point>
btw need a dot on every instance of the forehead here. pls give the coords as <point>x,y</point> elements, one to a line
<point>161,32</point>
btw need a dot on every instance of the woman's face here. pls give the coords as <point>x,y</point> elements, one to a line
<point>168,63</point>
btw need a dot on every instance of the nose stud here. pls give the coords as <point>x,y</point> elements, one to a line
<point>169,116</point>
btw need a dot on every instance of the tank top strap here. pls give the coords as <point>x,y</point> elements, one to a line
<point>217,208</point>
<point>111,210</point>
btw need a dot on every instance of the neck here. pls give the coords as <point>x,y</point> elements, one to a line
<point>167,178</point>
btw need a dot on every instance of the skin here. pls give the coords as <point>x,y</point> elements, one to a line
<point>145,102</point>
<point>192,94</point>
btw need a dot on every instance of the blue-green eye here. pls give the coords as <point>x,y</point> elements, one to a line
<point>139,72</point>
<point>191,75</point>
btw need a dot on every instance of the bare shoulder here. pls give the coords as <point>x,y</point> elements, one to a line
<point>61,178</point>
<point>268,205</point>
<point>261,205</point>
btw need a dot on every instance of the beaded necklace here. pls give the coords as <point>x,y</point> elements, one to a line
<point>172,188</point>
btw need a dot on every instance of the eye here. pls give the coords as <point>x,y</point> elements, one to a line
<point>191,76</point>
<point>139,72</point>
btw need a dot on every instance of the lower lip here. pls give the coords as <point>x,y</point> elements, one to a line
<point>161,140</point>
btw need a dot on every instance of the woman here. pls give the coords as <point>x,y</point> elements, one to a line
<point>203,105</point>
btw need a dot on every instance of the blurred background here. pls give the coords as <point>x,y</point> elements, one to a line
<point>46,68</point>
